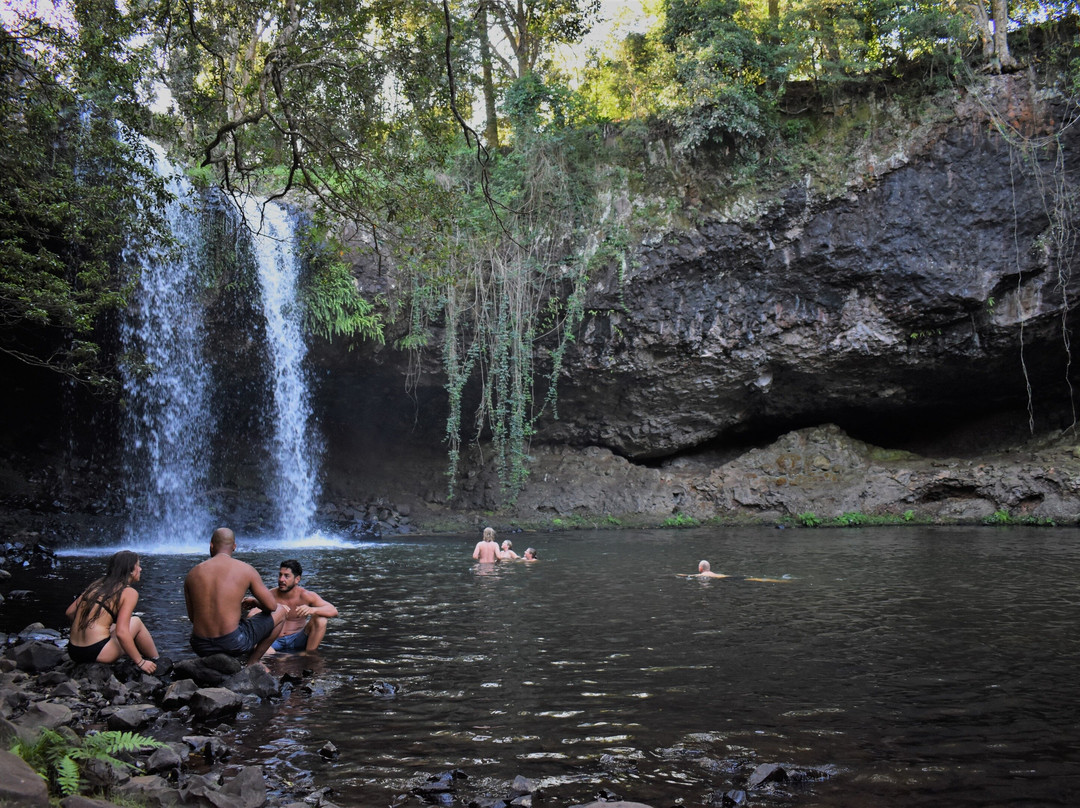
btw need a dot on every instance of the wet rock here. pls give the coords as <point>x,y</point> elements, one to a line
<point>213,703</point>
<point>19,784</point>
<point>79,801</point>
<point>103,775</point>
<point>65,690</point>
<point>37,655</point>
<point>178,694</point>
<point>613,804</point>
<point>169,758</point>
<point>37,631</point>
<point>133,717</point>
<point>728,799</point>
<point>384,689</point>
<point>149,790</point>
<point>211,747</point>
<point>253,680</point>
<point>45,714</point>
<point>522,785</point>
<point>246,790</point>
<point>328,751</point>
<point>208,671</point>
<point>766,773</point>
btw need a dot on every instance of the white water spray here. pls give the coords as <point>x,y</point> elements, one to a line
<point>169,420</point>
<point>295,485</point>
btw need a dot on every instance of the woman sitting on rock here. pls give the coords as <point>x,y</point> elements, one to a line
<point>103,628</point>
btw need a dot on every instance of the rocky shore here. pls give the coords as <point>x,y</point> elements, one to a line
<point>174,734</point>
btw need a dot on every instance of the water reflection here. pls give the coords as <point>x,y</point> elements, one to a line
<point>933,667</point>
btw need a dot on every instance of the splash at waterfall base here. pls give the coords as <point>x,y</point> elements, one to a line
<point>819,470</point>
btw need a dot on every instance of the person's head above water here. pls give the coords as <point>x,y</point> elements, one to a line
<point>530,554</point>
<point>507,545</point>
<point>489,534</point>
<point>703,566</point>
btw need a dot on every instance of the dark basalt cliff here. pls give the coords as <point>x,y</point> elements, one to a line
<point>923,308</point>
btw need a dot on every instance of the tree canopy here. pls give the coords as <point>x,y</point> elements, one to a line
<point>447,133</point>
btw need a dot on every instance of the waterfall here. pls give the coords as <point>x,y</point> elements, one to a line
<point>294,487</point>
<point>169,421</point>
<point>175,401</point>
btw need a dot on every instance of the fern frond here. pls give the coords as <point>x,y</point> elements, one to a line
<point>67,776</point>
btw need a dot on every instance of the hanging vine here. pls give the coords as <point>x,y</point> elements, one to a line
<point>1028,157</point>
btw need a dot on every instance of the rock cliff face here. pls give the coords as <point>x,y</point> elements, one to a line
<point>925,309</point>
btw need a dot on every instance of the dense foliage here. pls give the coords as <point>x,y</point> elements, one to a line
<point>364,112</point>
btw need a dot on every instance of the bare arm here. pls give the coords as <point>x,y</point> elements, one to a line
<point>476,550</point>
<point>71,610</point>
<point>128,598</point>
<point>263,596</point>
<point>314,605</point>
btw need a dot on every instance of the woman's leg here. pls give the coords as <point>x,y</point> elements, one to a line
<point>143,641</point>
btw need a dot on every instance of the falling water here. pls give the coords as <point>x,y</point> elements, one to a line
<point>295,486</point>
<point>169,418</point>
<point>174,392</point>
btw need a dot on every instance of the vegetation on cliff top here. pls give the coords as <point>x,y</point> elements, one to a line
<point>489,221</point>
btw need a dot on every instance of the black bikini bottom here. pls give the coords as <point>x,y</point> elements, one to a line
<point>81,654</point>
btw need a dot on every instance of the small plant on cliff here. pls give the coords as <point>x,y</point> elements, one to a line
<point>852,519</point>
<point>809,519</point>
<point>61,757</point>
<point>680,520</point>
<point>999,517</point>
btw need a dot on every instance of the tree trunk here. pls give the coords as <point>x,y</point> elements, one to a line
<point>1000,10</point>
<point>491,121</point>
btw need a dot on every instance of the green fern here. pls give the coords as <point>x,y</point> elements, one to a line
<point>58,756</point>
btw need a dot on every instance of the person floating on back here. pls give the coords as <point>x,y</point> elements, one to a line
<point>103,626</point>
<point>214,591</point>
<point>486,550</point>
<point>305,622</point>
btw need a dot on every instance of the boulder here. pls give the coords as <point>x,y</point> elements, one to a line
<point>149,790</point>
<point>45,714</point>
<point>247,789</point>
<point>36,655</point>
<point>133,717</point>
<point>213,703</point>
<point>19,784</point>
<point>254,680</point>
<point>179,693</point>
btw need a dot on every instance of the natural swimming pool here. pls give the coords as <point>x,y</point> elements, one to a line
<point>931,666</point>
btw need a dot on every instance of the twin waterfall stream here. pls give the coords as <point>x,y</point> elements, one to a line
<point>174,405</point>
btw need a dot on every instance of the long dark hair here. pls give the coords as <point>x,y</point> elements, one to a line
<point>104,593</point>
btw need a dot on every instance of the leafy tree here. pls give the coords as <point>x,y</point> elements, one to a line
<point>74,187</point>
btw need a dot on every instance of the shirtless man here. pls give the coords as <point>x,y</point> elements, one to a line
<point>703,571</point>
<point>214,592</point>
<point>305,622</point>
<point>487,551</point>
<point>507,551</point>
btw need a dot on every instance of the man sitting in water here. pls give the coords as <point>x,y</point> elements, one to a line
<point>305,622</point>
<point>214,592</point>
<point>486,550</point>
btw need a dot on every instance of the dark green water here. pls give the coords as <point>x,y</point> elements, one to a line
<point>933,666</point>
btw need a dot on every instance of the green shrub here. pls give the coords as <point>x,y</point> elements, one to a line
<point>809,519</point>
